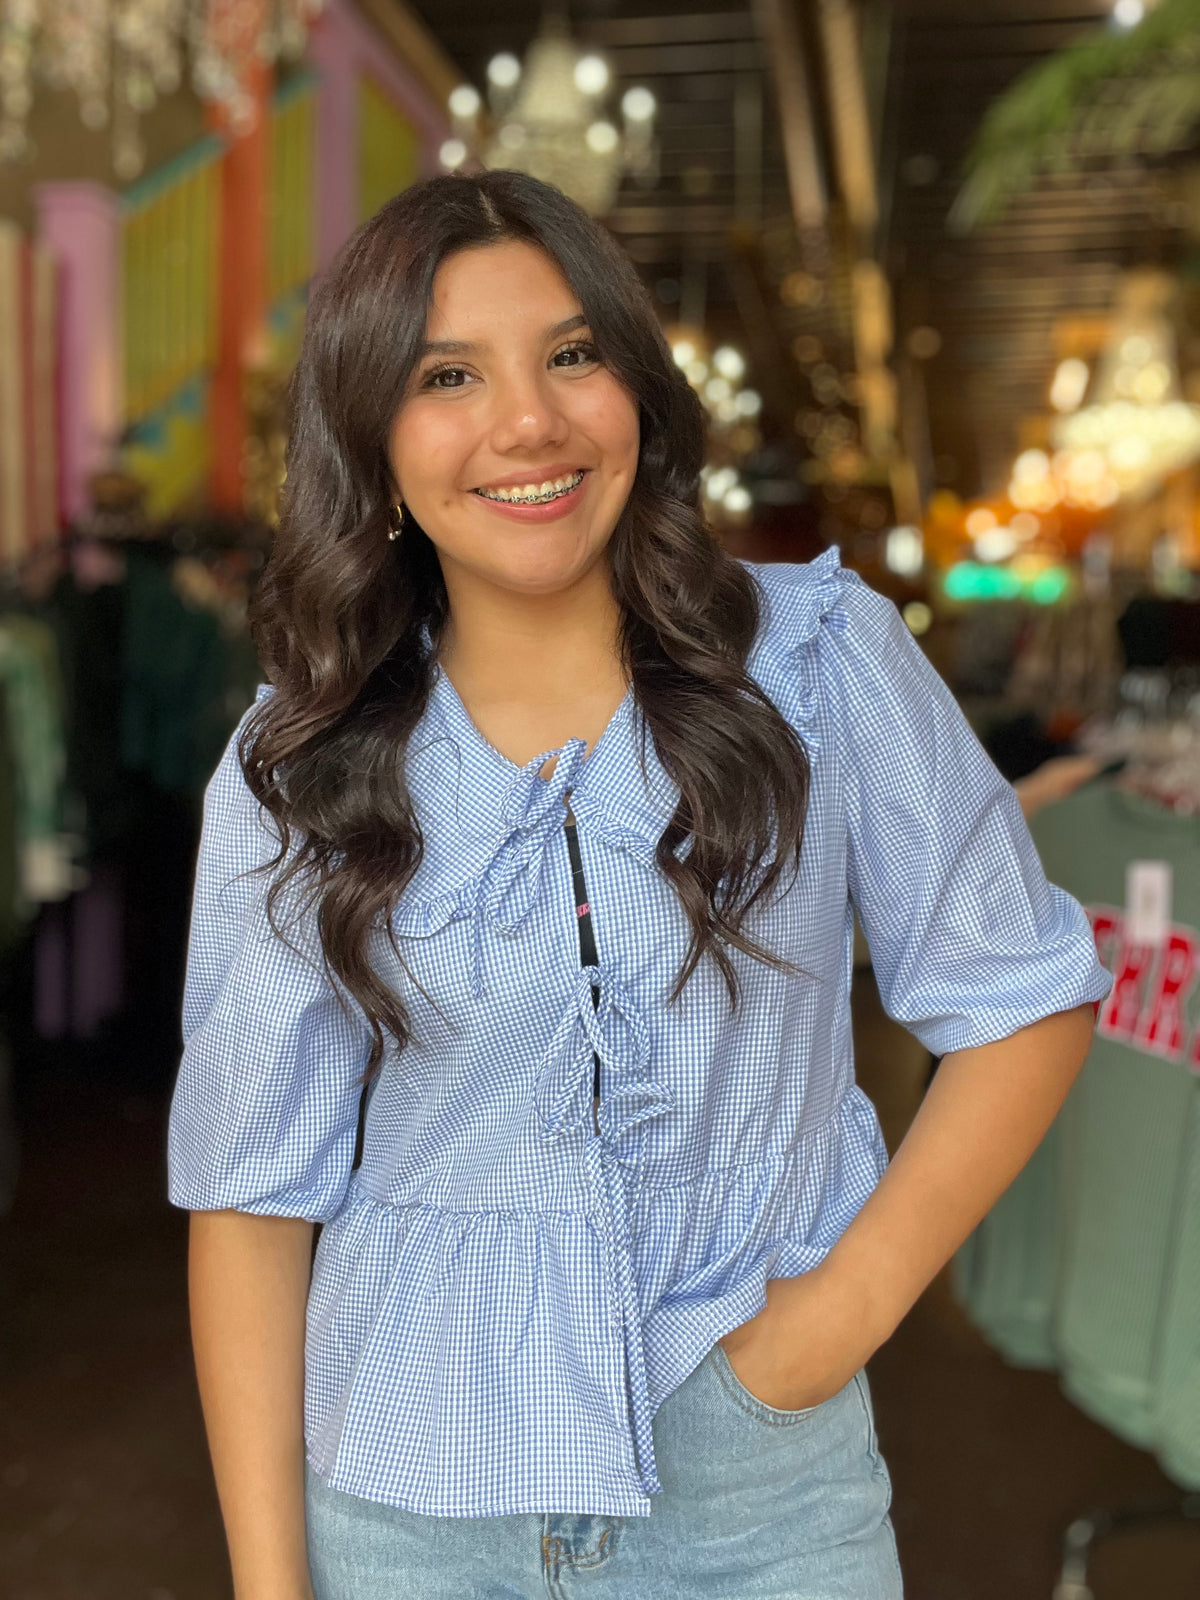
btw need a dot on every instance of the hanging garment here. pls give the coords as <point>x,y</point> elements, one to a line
<point>503,1295</point>
<point>174,719</point>
<point>29,670</point>
<point>11,903</point>
<point>88,620</point>
<point>1091,1261</point>
<point>1175,1424</point>
<point>1127,1132</point>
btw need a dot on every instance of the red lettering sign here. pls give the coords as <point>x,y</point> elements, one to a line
<point>1163,1026</point>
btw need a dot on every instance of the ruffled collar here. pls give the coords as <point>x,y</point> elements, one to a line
<point>489,822</point>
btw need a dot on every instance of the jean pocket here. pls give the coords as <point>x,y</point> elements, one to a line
<point>750,1403</point>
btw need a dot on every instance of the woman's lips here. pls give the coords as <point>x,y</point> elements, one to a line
<point>560,507</point>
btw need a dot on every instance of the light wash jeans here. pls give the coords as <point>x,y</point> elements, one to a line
<point>757,1504</point>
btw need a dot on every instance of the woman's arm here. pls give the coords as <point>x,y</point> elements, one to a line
<point>1054,780</point>
<point>983,1116</point>
<point>248,1282</point>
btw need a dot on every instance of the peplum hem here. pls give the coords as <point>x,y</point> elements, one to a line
<point>771,1219</point>
<point>403,1321</point>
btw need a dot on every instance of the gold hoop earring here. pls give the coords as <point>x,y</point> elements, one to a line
<point>396,528</point>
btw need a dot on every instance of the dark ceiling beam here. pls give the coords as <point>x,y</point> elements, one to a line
<point>958,309</point>
<point>949,15</point>
<point>1064,251</point>
<point>849,115</point>
<point>777,26</point>
<point>981,47</point>
<point>676,60</point>
<point>1078,206</point>
<point>776,376</point>
<point>659,218</point>
<point>1029,302</point>
<point>695,27</point>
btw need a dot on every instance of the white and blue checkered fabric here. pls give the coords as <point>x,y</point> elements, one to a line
<point>501,1296</point>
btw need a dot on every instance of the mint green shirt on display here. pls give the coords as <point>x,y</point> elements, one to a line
<point>1091,1261</point>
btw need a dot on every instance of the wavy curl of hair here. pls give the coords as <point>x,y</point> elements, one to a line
<point>339,613</point>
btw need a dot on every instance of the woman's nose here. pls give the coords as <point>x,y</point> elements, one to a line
<point>525,413</point>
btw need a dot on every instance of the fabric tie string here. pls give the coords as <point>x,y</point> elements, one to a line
<point>609,1221</point>
<point>615,1030</point>
<point>534,808</point>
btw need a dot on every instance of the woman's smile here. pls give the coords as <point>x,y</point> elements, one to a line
<point>537,501</point>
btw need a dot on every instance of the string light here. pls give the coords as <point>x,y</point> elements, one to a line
<point>1069,384</point>
<point>602,137</point>
<point>904,551</point>
<point>729,362</point>
<point>1128,13</point>
<point>503,70</point>
<point>464,101</point>
<point>638,104</point>
<point>591,75</point>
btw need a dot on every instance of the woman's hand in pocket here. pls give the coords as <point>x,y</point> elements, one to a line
<point>806,1345</point>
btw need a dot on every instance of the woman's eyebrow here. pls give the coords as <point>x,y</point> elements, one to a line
<point>460,347</point>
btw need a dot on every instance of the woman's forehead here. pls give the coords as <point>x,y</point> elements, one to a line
<point>511,273</point>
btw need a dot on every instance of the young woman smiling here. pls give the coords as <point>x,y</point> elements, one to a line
<point>513,839</point>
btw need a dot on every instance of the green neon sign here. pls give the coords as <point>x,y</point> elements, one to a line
<point>975,580</point>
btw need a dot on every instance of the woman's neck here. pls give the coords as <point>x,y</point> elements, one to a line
<point>533,648</point>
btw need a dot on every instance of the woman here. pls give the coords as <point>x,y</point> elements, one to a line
<point>595,1303</point>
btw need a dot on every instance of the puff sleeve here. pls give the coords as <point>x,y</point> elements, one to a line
<point>264,1110</point>
<point>969,941</point>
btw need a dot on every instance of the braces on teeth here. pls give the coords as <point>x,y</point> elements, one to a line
<point>540,496</point>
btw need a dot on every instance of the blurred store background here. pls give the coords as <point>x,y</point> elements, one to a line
<point>935,270</point>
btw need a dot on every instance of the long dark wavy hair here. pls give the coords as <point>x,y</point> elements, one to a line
<point>338,614</point>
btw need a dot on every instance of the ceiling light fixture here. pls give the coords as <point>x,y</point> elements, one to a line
<point>547,119</point>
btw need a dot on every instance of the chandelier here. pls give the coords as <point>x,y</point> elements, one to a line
<point>1123,429</point>
<point>120,56</point>
<point>548,119</point>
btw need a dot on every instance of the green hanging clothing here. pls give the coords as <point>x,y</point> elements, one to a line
<point>174,718</point>
<point>1176,1421</point>
<point>29,669</point>
<point>10,909</point>
<point>1091,1261</point>
<point>1127,1125</point>
<point>88,623</point>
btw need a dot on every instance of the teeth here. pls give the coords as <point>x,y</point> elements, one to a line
<point>533,493</point>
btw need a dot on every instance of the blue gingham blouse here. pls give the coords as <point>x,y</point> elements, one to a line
<point>501,1297</point>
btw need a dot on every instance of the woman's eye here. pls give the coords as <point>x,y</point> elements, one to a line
<point>430,381</point>
<point>585,350</point>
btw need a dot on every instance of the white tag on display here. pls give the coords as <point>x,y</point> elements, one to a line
<point>1147,901</point>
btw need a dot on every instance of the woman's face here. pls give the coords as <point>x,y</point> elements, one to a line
<point>510,399</point>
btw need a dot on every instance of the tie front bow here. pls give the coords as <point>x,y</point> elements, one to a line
<point>533,812</point>
<point>613,1029</point>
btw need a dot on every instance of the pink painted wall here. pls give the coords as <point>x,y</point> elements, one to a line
<point>344,45</point>
<point>79,223</point>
